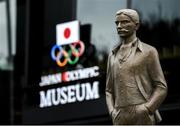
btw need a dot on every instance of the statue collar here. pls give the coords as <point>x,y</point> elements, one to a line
<point>138,42</point>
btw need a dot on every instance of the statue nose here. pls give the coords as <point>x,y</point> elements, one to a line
<point>119,26</point>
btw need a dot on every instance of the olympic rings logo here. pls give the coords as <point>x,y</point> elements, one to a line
<point>62,55</point>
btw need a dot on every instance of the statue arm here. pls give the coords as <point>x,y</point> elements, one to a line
<point>109,88</point>
<point>159,84</point>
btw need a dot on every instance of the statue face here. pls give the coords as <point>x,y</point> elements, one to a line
<point>125,26</point>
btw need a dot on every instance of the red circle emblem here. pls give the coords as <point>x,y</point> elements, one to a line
<point>67,33</point>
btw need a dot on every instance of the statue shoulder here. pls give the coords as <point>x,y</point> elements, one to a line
<point>148,47</point>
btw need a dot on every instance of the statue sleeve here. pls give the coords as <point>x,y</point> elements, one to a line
<point>159,84</point>
<point>109,87</point>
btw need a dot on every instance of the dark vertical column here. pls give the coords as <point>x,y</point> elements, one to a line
<point>19,60</point>
<point>34,40</point>
<point>129,4</point>
<point>9,29</point>
<point>28,50</point>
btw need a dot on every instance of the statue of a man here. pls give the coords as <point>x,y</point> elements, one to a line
<point>135,84</point>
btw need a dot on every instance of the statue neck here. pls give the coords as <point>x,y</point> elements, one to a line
<point>129,39</point>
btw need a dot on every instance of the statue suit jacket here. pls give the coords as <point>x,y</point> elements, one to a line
<point>148,74</point>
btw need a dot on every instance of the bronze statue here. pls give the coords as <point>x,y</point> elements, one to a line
<point>135,84</point>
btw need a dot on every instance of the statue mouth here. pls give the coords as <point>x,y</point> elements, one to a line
<point>122,31</point>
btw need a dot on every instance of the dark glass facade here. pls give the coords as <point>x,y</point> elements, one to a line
<point>36,90</point>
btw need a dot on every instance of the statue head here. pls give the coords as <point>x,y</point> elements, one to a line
<point>127,21</point>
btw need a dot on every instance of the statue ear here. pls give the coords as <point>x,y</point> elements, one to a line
<point>137,26</point>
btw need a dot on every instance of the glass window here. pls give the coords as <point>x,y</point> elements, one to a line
<point>7,38</point>
<point>160,27</point>
<point>3,36</point>
<point>101,15</point>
